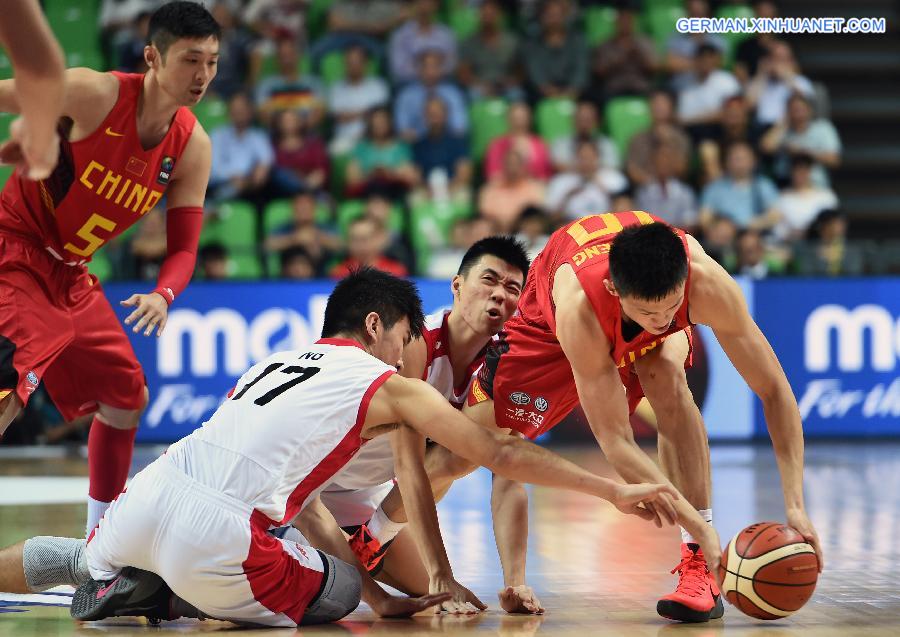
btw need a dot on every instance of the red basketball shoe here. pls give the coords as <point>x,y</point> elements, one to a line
<point>696,598</point>
<point>367,549</point>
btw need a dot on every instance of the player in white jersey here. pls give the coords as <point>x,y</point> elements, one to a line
<point>485,292</point>
<point>189,536</point>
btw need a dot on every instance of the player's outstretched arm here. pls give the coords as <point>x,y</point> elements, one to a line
<point>39,67</point>
<point>320,528</point>
<point>420,406</point>
<point>408,447</point>
<point>717,301</point>
<point>603,400</point>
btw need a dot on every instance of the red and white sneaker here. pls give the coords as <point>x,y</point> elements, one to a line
<point>367,549</point>
<point>696,598</point>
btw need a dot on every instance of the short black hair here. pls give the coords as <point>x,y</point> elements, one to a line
<point>212,251</point>
<point>369,290</point>
<point>296,252</point>
<point>181,19</point>
<point>504,247</point>
<point>647,262</point>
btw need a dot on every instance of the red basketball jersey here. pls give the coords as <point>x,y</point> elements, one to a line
<point>102,185</point>
<point>584,244</point>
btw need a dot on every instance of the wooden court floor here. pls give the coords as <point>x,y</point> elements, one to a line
<point>597,572</point>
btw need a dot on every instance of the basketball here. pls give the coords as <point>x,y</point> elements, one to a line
<point>768,570</point>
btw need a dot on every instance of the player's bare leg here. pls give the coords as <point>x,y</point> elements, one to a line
<point>684,456</point>
<point>10,407</point>
<point>402,567</point>
<point>110,447</point>
<point>12,575</point>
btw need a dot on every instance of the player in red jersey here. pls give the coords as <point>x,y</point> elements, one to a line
<point>128,140</point>
<point>610,301</point>
<point>38,65</point>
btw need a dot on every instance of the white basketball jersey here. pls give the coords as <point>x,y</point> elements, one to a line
<point>291,422</point>
<point>374,464</point>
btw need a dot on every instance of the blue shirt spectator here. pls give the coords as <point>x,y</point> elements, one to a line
<point>409,107</point>
<point>441,150</point>
<point>741,195</point>
<point>242,156</point>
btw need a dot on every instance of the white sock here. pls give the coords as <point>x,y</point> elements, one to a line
<point>382,527</point>
<point>686,537</point>
<point>96,509</point>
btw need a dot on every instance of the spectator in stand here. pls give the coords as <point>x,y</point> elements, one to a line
<point>409,107</point>
<point>489,59</point>
<point>777,78</point>
<point>274,19</point>
<point>702,96</point>
<point>289,90</point>
<point>736,126</point>
<point>442,150</point>
<point>319,241</point>
<point>751,258</point>
<point>213,258</point>
<point>359,23</point>
<point>663,131</point>
<point>533,229</point>
<point>587,189</point>
<point>350,99</point>
<point>149,247</point>
<point>587,128</point>
<point>799,205</point>
<point>520,137</point>
<point>827,252</point>
<point>506,194</point>
<point>626,63</point>
<point>444,262</point>
<point>299,152</point>
<point>667,196</point>
<point>753,49</point>
<point>381,162</point>
<point>117,20</point>
<point>419,34</point>
<point>741,194</point>
<point>556,61</point>
<point>296,264</point>
<point>235,48</point>
<point>682,48</point>
<point>242,155</point>
<point>718,240</point>
<point>800,134</point>
<point>129,52</point>
<point>366,242</point>
<point>382,210</point>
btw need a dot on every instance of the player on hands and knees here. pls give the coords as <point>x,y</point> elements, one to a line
<point>610,301</point>
<point>447,355</point>
<point>127,141</point>
<point>189,538</point>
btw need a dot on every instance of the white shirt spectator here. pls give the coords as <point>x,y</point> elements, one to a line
<point>799,208</point>
<point>346,98</point>
<point>673,202</point>
<point>562,152</point>
<point>704,97</point>
<point>575,197</point>
<point>774,97</point>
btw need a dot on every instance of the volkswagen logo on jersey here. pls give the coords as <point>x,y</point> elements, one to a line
<point>541,404</point>
<point>165,170</point>
<point>520,398</point>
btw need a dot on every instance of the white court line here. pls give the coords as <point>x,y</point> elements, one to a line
<point>42,490</point>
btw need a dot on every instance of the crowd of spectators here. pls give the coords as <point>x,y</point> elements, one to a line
<point>378,104</point>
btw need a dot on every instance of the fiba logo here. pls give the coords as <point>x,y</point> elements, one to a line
<point>850,329</point>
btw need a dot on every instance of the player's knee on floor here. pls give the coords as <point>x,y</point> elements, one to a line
<point>340,594</point>
<point>54,561</point>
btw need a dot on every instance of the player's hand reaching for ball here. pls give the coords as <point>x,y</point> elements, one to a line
<point>151,311</point>
<point>520,599</point>
<point>651,502</point>
<point>798,519</point>
<point>463,601</point>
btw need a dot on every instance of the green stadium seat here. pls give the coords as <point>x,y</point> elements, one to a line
<point>269,66</point>
<point>431,224</point>
<point>5,120</point>
<point>234,226</point>
<point>487,121</point>
<point>555,118</point>
<point>100,266</point>
<point>317,18</point>
<point>338,179</point>
<point>75,24</point>
<point>212,112</point>
<point>599,24</point>
<point>659,22</point>
<point>734,38</point>
<point>626,116</point>
<point>463,20</point>
<point>280,213</point>
<point>6,69</point>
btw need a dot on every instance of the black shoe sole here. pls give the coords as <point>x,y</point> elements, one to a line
<point>681,613</point>
<point>86,606</point>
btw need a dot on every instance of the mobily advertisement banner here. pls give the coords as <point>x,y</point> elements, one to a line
<point>839,343</point>
<point>215,332</point>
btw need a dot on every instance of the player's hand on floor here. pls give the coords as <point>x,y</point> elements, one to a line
<point>798,519</point>
<point>520,599</point>
<point>151,312</point>
<point>391,606</point>
<point>651,502</point>
<point>712,551</point>
<point>463,601</point>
